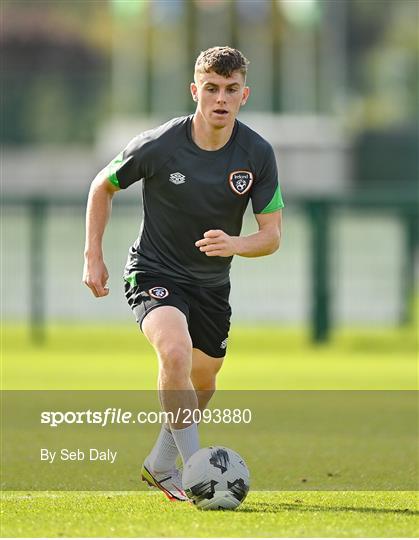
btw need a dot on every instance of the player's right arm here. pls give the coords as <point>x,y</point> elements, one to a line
<point>99,205</point>
<point>128,167</point>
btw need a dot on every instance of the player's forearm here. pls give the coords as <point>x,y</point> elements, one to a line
<point>263,242</point>
<point>99,207</point>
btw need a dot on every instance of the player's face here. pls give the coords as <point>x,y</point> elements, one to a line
<point>219,98</point>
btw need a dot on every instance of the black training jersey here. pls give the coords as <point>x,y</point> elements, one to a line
<point>188,191</point>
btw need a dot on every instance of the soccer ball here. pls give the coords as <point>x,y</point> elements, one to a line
<point>216,477</point>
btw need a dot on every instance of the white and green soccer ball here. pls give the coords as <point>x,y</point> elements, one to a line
<point>216,478</point>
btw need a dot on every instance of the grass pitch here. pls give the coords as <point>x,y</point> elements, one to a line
<point>277,514</point>
<point>116,357</point>
<point>262,358</point>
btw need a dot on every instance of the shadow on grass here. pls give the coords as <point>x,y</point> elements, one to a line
<point>272,508</point>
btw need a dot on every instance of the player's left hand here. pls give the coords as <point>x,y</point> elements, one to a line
<point>217,243</point>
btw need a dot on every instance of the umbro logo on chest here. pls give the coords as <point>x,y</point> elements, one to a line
<point>177,178</point>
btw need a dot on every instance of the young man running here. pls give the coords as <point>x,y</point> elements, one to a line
<point>199,173</point>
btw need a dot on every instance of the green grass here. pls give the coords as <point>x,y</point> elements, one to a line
<point>117,357</point>
<point>263,514</point>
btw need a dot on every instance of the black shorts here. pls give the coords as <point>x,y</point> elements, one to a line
<point>207,309</point>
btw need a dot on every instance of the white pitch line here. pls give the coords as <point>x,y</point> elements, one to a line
<point>40,494</point>
<point>61,494</point>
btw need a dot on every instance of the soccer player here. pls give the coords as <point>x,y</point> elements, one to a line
<point>199,173</point>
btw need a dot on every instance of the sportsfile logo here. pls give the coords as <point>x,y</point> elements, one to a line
<point>116,415</point>
<point>177,178</point>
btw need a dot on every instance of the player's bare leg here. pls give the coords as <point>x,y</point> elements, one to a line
<point>204,375</point>
<point>162,459</point>
<point>166,329</point>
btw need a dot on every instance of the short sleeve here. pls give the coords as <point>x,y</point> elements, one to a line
<point>266,192</point>
<point>128,166</point>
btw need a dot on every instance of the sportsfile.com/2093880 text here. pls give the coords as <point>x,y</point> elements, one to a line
<point>112,415</point>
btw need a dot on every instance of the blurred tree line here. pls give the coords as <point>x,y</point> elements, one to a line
<point>383,46</point>
<point>64,64</point>
<point>55,71</point>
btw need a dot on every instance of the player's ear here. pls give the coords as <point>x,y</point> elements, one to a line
<point>194,91</point>
<point>246,94</point>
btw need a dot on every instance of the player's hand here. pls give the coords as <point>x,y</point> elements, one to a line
<point>95,276</point>
<point>217,243</point>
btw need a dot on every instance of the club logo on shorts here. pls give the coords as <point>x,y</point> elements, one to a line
<point>241,181</point>
<point>158,292</point>
<point>224,344</point>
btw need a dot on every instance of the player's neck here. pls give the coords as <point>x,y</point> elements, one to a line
<point>207,137</point>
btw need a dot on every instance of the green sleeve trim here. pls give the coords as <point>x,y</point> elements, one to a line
<point>275,204</point>
<point>113,179</point>
<point>113,167</point>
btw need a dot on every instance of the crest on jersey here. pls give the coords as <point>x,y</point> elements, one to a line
<point>158,292</point>
<point>241,181</point>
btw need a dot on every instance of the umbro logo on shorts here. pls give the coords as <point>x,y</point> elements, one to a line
<point>177,178</point>
<point>158,292</point>
<point>224,344</point>
<point>241,181</point>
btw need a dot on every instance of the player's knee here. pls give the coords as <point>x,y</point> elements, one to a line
<point>204,395</point>
<point>204,383</point>
<point>204,376</point>
<point>175,359</point>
